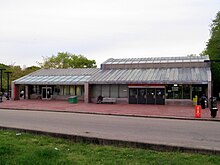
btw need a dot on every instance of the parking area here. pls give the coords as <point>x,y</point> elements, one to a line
<point>171,111</point>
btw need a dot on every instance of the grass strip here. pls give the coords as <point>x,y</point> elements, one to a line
<point>25,148</point>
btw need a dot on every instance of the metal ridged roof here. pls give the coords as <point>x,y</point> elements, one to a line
<point>157,60</point>
<point>58,76</point>
<point>154,76</point>
<point>64,72</point>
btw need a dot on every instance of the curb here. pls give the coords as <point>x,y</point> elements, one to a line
<point>123,115</point>
<point>118,143</point>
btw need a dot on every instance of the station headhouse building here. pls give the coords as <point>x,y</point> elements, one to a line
<point>157,80</point>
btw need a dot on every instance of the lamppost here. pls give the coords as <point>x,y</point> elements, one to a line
<point>1,93</point>
<point>8,84</point>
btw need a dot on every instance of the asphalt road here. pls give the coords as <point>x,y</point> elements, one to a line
<point>184,133</point>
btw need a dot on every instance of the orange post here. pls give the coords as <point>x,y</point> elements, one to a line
<point>198,111</point>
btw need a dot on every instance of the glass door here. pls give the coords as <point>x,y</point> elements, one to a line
<point>132,96</point>
<point>46,92</point>
<point>151,96</point>
<point>160,98</point>
<point>142,96</point>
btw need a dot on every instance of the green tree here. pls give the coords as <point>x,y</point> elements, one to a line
<point>213,50</point>
<point>67,60</point>
<point>29,70</point>
<point>17,72</point>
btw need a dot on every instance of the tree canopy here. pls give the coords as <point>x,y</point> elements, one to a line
<point>213,50</point>
<point>67,60</point>
<point>62,60</point>
<point>17,72</point>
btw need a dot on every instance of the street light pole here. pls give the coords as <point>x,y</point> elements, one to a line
<point>8,86</point>
<point>1,93</point>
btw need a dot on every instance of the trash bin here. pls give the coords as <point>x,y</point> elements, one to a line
<point>73,99</point>
<point>213,106</point>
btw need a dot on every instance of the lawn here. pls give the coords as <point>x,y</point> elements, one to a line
<point>27,149</point>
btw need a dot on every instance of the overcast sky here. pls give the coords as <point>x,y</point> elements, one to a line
<point>102,29</point>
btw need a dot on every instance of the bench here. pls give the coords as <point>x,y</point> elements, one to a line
<point>109,100</point>
<point>35,96</point>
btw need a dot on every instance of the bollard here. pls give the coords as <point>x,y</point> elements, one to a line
<point>198,111</point>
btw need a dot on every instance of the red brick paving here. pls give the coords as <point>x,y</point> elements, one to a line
<point>179,111</point>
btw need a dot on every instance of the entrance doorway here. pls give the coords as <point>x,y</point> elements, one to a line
<point>160,95</point>
<point>133,96</point>
<point>147,96</point>
<point>46,92</point>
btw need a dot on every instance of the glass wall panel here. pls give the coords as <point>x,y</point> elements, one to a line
<point>123,91</point>
<point>105,90</point>
<point>56,90</point>
<point>61,90</point>
<point>199,90</point>
<point>186,91</point>
<point>34,89</point>
<point>72,90</point>
<point>82,90</point>
<point>114,91</point>
<point>66,90</point>
<point>169,92</point>
<point>79,90</point>
<point>96,90</point>
<point>176,91</point>
<point>38,89</point>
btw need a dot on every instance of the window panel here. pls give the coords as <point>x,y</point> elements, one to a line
<point>79,90</point>
<point>186,91</point>
<point>72,90</point>
<point>114,91</point>
<point>61,90</point>
<point>105,90</point>
<point>123,91</point>
<point>66,90</point>
<point>96,90</point>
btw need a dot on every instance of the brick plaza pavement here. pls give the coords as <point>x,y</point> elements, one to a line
<point>170,111</point>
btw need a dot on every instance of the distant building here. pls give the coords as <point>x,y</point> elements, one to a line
<point>157,80</point>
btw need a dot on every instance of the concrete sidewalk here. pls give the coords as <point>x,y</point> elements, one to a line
<point>167,111</point>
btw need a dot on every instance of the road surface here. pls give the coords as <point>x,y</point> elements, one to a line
<point>183,133</point>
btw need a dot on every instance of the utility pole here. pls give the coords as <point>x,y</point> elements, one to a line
<point>1,93</point>
<point>8,84</point>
